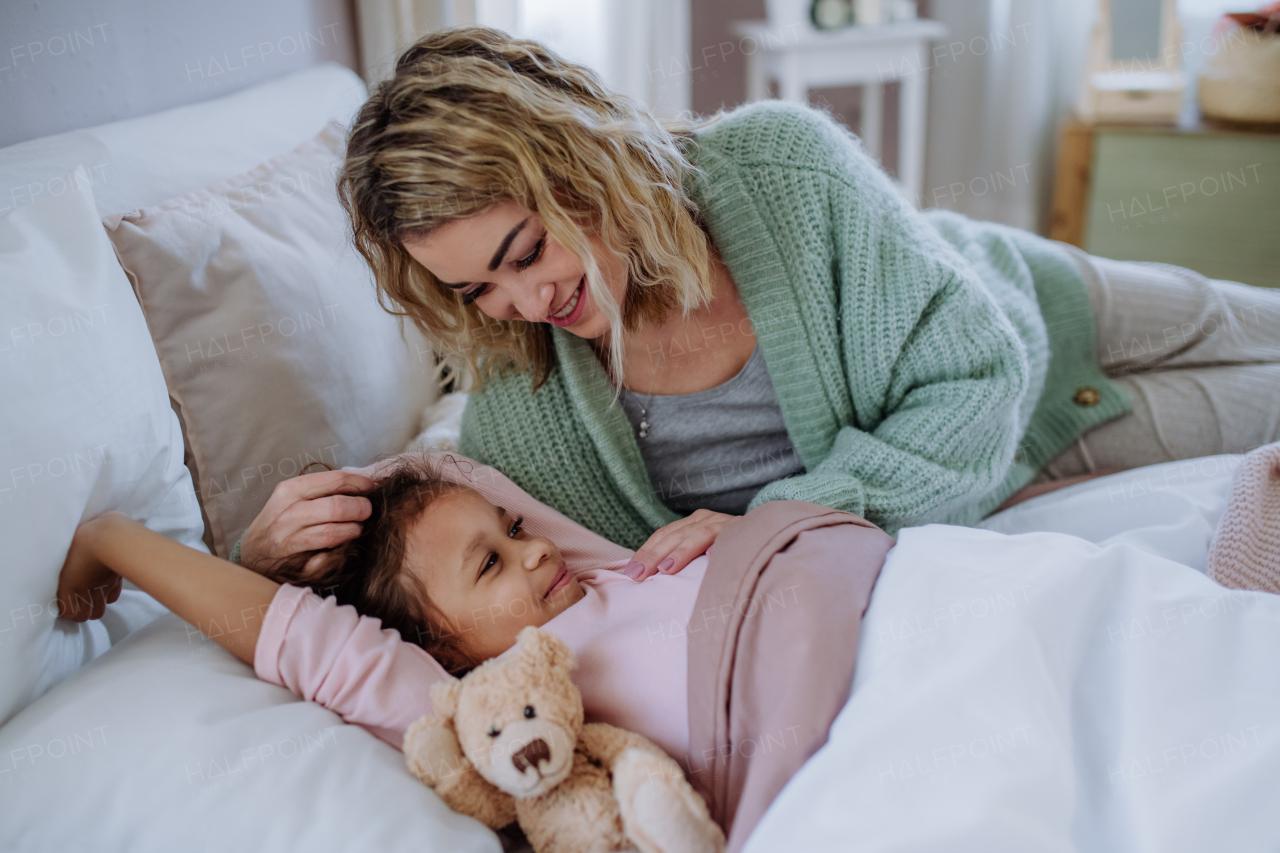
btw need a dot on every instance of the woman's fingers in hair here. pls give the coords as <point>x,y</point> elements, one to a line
<point>333,509</point>
<point>324,483</point>
<point>317,565</point>
<point>326,497</point>
<point>308,526</point>
<point>321,537</point>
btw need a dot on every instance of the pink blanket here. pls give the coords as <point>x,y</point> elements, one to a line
<point>772,643</point>
<point>1245,553</point>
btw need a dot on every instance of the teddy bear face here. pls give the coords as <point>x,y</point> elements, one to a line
<point>518,718</point>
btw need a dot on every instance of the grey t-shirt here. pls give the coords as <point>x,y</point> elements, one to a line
<point>715,449</point>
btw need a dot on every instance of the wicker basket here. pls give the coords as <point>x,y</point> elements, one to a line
<point>1241,82</point>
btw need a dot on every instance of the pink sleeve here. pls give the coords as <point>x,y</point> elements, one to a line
<point>582,548</point>
<point>328,653</point>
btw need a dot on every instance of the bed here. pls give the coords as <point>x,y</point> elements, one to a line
<point>1047,681</point>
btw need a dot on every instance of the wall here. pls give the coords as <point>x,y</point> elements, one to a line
<point>67,64</point>
<point>718,68</point>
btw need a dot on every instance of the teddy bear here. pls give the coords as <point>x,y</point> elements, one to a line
<point>507,742</point>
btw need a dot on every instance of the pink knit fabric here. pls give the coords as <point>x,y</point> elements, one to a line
<point>1245,553</point>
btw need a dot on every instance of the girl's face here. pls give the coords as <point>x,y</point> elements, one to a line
<point>505,262</point>
<point>484,574</point>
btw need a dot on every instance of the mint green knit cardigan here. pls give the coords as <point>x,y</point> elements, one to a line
<point>926,365</point>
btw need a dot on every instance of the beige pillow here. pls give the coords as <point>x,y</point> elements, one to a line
<point>273,345</point>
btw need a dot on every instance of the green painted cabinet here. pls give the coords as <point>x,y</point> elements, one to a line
<point>1207,199</point>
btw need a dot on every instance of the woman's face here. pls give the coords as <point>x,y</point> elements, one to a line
<point>486,575</point>
<point>505,262</point>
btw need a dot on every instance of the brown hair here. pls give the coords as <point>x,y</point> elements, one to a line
<point>367,572</point>
<point>472,117</point>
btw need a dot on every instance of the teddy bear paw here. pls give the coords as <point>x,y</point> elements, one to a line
<point>660,811</point>
<point>433,752</point>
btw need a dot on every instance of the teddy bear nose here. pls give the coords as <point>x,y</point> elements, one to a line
<point>531,754</point>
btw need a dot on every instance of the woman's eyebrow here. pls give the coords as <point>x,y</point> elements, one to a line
<point>506,244</point>
<point>497,256</point>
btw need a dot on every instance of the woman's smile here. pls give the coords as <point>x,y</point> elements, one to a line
<point>571,311</point>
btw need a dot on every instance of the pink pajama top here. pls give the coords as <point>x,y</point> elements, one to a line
<point>628,638</point>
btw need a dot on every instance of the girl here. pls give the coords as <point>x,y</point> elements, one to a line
<point>776,321</point>
<point>456,560</point>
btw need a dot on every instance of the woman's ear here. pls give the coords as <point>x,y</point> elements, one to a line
<point>444,697</point>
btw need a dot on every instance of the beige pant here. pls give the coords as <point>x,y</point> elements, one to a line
<point>1200,357</point>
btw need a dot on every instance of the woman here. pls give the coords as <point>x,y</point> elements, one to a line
<point>772,319</point>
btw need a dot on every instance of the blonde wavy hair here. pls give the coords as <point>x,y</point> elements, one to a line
<point>472,117</point>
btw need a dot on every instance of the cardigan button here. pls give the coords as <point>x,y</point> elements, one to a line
<point>1086,395</point>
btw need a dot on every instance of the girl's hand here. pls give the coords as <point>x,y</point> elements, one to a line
<point>311,512</point>
<point>86,586</point>
<point>673,547</point>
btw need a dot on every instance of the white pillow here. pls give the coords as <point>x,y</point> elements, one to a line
<point>440,425</point>
<point>87,427</point>
<point>167,743</point>
<point>1170,510</point>
<point>143,161</point>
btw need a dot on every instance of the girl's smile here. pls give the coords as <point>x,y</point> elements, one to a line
<point>561,581</point>
<point>485,576</point>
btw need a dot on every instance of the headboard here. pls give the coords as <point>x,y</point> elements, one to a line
<point>68,64</point>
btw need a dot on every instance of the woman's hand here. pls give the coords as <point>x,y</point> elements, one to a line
<point>674,546</point>
<point>86,586</point>
<point>312,512</point>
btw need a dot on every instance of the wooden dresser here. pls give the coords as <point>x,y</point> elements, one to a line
<point>1202,197</point>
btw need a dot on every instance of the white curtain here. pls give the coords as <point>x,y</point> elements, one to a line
<point>387,27</point>
<point>640,48</point>
<point>1000,84</point>
<point>650,53</point>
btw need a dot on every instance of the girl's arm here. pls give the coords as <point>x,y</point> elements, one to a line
<point>202,589</point>
<point>321,651</point>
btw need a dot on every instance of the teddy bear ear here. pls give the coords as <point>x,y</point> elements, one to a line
<point>444,697</point>
<point>545,648</point>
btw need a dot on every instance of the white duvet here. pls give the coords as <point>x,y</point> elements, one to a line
<point>1043,692</point>
<point>1024,692</point>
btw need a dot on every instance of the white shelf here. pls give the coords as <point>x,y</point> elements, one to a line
<point>801,58</point>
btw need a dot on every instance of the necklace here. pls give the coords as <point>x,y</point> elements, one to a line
<point>644,419</point>
<point>643,429</point>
